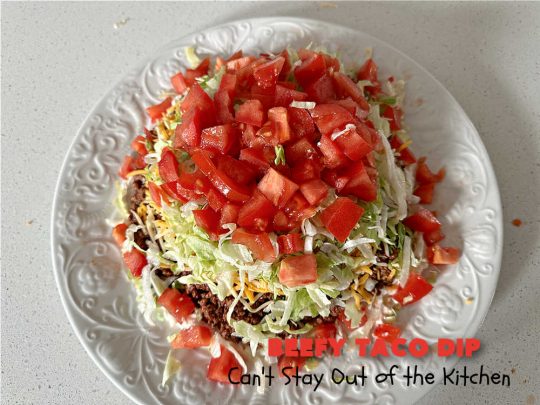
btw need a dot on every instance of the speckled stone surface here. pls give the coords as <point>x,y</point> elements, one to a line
<point>58,59</point>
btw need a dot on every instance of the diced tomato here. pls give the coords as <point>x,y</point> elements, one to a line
<point>325,330</point>
<point>175,190</point>
<point>321,90</point>
<point>239,171</point>
<point>221,367</point>
<point>296,271</point>
<point>348,103</point>
<point>157,194</point>
<point>139,145</point>
<point>208,219</point>
<point>394,115</point>
<point>251,112</point>
<point>228,84</point>
<point>422,221</point>
<point>188,133</point>
<point>233,65</point>
<point>216,200</point>
<point>229,213</point>
<point>331,63</point>
<point>135,261</point>
<point>414,289</point>
<point>314,190</point>
<point>425,176</point>
<point>178,304</point>
<point>127,166</point>
<point>119,234</point>
<point>442,255</point>
<point>179,83</point>
<point>267,73</point>
<point>285,96</point>
<point>290,243</point>
<point>332,155</point>
<point>301,123</point>
<point>277,188</point>
<point>301,149</point>
<point>258,158</point>
<point>368,71</point>
<point>289,365</point>
<point>347,322</point>
<point>192,338</point>
<point>353,145</point>
<point>257,213</point>
<point>329,117</point>
<point>196,182</point>
<point>405,154</point>
<point>425,192</point>
<point>224,107</point>
<point>387,332</point>
<point>360,183</point>
<point>229,188</point>
<point>259,244</point>
<point>305,170</point>
<point>433,237</point>
<point>198,98</point>
<point>156,111</point>
<point>347,88</point>
<point>281,222</point>
<point>279,123</point>
<point>310,70</point>
<point>266,95</point>
<point>341,216</point>
<point>218,139</point>
<point>168,166</point>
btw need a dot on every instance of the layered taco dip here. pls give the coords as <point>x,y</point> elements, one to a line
<point>276,196</point>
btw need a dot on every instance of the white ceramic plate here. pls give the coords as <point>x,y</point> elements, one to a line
<point>101,304</point>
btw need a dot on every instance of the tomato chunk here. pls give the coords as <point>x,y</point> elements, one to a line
<point>359,183</point>
<point>229,214</point>
<point>176,191</point>
<point>332,155</point>
<point>279,124</point>
<point>405,154</point>
<point>219,139</point>
<point>341,216</point>
<point>139,145</point>
<point>414,289</point>
<point>325,330</point>
<point>192,338</point>
<point>321,90</point>
<point>425,192</point>
<point>290,243</point>
<point>368,71</point>
<point>220,180</point>
<point>329,117</point>
<point>221,367</point>
<point>442,255</point>
<point>208,219</point>
<point>422,221</point>
<point>178,304</point>
<point>296,271</point>
<point>310,70</point>
<point>267,73</point>
<point>257,213</point>
<point>119,234</point>
<point>188,133</point>
<point>157,194</point>
<point>433,237</point>
<point>387,332</point>
<point>347,88</point>
<point>259,244</point>
<point>156,111</point>
<point>251,112</point>
<point>239,171</point>
<point>302,125</point>
<point>353,145</point>
<point>424,174</point>
<point>314,190</point>
<point>179,83</point>
<point>305,170</point>
<point>277,188</point>
<point>285,96</point>
<point>168,166</point>
<point>135,261</point>
<point>197,98</point>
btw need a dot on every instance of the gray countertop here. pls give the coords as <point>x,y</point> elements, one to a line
<point>59,59</point>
